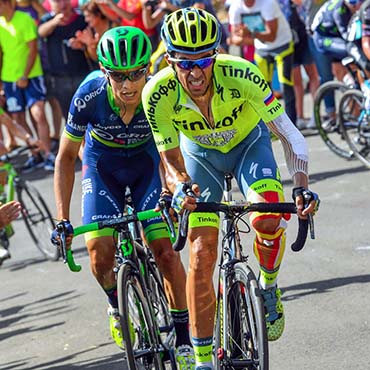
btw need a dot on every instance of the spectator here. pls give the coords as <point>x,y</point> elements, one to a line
<point>98,23</point>
<point>302,57</point>
<point>272,38</point>
<point>8,212</point>
<point>67,64</point>
<point>23,81</point>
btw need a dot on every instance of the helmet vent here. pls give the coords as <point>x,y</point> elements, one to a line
<point>135,52</point>
<point>111,52</point>
<point>122,47</point>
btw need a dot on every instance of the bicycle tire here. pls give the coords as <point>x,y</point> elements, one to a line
<point>329,128</point>
<point>246,330</point>
<point>37,218</point>
<point>137,325</point>
<point>355,124</point>
<point>162,315</point>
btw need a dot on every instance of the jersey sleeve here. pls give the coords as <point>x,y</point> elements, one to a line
<point>77,121</point>
<point>30,28</point>
<point>261,97</point>
<point>158,102</point>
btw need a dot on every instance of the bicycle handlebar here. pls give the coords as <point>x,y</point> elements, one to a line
<point>7,157</point>
<point>234,209</point>
<point>111,223</point>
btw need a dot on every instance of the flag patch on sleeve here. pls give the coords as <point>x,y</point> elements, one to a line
<point>269,98</point>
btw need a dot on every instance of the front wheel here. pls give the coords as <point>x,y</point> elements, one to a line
<point>327,120</point>
<point>355,124</point>
<point>37,218</point>
<point>247,345</point>
<point>136,322</point>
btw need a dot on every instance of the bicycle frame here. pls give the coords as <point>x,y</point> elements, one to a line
<point>231,254</point>
<point>10,184</point>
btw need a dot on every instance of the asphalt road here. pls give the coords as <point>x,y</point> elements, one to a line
<point>51,318</point>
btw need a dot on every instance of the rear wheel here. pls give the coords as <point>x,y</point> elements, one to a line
<point>355,124</point>
<point>247,345</point>
<point>137,326</point>
<point>37,218</point>
<point>328,123</point>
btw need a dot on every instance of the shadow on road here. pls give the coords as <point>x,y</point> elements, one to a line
<point>323,286</point>
<point>113,362</point>
<point>32,313</point>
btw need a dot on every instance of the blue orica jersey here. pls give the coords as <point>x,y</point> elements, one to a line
<point>93,115</point>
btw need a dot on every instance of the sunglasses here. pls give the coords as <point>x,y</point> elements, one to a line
<point>123,76</point>
<point>188,65</point>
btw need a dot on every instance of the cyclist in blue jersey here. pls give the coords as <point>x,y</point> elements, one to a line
<point>210,115</point>
<point>119,151</point>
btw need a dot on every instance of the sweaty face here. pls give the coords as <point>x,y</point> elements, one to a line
<point>194,78</point>
<point>127,85</point>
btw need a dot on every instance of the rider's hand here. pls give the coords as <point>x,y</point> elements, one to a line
<point>181,200</point>
<point>68,230</point>
<point>164,203</point>
<point>307,201</point>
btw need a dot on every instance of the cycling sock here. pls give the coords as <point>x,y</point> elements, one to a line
<point>112,296</point>
<point>269,250</point>
<point>181,323</point>
<point>203,352</point>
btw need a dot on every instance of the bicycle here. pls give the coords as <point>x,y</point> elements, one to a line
<point>354,121</point>
<point>240,336</point>
<point>328,123</point>
<point>147,327</point>
<point>35,212</point>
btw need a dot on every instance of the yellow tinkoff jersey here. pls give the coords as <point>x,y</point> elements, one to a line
<point>241,98</point>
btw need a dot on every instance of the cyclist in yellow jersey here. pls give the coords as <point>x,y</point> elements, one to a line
<point>210,115</point>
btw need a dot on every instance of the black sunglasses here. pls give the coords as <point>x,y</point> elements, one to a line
<point>123,76</point>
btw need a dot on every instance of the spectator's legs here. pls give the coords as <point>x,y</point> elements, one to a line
<point>284,63</point>
<point>38,112</point>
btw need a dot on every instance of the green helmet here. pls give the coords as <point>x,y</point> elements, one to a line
<point>124,48</point>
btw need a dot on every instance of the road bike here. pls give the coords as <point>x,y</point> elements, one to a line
<point>147,326</point>
<point>240,336</point>
<point>328,123</point>
<point>35,212</point>
<point>354,122</point>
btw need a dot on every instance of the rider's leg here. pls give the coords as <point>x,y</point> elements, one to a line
<point>174,276</point>
<point>200,291</point>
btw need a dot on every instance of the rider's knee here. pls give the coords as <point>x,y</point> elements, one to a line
<point>101,256</point>
<point>266,225</point>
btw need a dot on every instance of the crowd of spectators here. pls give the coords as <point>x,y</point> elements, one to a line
<point>56,44</point>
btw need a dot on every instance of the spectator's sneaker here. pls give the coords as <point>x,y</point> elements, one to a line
<point>274,310</point>
<point>33,162</point>
<point>115,327</point>
<point>301,123</point>
<point>4,254</point>
<point>49,162</point>
<point>185,359</point>
<point>311,124</point>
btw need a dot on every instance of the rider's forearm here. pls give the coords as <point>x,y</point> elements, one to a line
<point>174,167</point>
<point>64,176</point>
<point>294,144</point>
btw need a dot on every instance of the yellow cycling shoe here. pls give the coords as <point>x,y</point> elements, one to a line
<point>275,320</point>
<point>115,328</point>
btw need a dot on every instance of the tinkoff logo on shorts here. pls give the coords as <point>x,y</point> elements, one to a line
<point>269,99</point>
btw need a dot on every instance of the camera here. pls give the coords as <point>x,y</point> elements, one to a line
<point>152,3</point>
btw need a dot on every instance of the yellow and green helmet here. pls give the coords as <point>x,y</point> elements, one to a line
<point>124,48</point>
<point>191,31</point>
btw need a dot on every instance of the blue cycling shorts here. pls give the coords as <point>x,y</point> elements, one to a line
<point>251,162</point>
<point>105,176</point>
